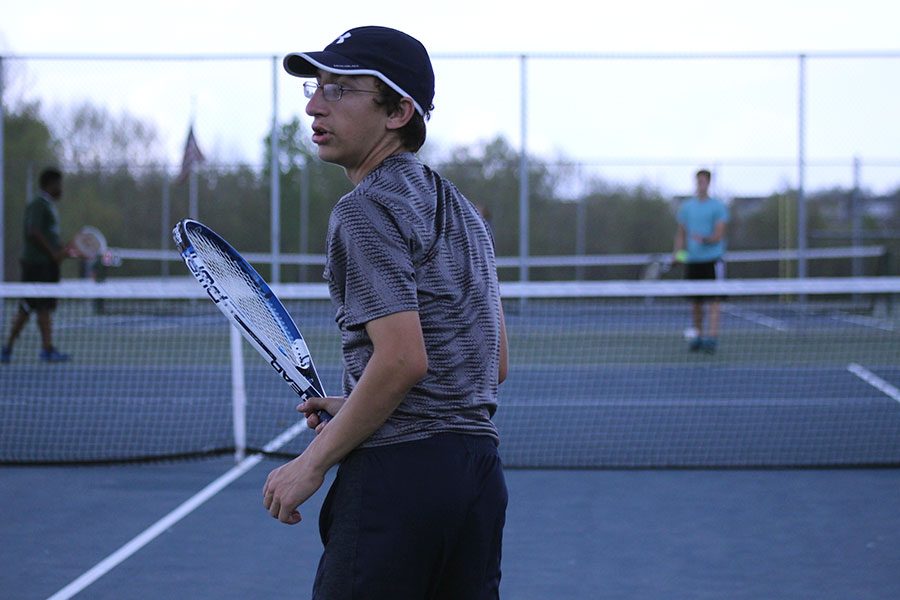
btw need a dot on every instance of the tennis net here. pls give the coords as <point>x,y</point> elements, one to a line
<point>805,373</point>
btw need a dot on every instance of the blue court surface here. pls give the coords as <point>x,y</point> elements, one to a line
<point>650,472</point>
<point>648,534</point>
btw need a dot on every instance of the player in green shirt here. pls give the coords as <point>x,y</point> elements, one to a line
<point>41,257</point>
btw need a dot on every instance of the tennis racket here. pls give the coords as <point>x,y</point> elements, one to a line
<point>249,303</point>
<point>660,264</point>
<point>89,243</point>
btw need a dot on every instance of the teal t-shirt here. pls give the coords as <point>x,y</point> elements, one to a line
<point>41,215</point>
<point>699,217</point>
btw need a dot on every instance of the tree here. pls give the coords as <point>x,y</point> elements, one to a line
<point>303,178</point>
<point>28,147</point>
<point>488,176</point>
<point>90,137</point>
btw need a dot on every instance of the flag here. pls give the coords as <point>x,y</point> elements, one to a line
<point>192,156</point>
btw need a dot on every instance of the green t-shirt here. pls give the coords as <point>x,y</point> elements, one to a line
<point>41,215</point>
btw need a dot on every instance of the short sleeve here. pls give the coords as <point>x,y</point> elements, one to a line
<point>370,261</point>
<point>35,217</point>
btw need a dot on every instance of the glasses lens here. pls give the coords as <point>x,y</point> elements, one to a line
<point>309,88</point>
<point>332,92</point>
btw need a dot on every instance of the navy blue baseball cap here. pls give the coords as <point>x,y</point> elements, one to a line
<point>397,59</point>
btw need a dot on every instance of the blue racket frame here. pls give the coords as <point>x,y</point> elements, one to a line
<point>294,365</point>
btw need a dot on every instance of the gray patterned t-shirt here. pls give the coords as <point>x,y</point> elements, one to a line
<point>405,239</point>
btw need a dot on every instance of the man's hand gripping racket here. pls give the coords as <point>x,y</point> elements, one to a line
<point>249,303</point>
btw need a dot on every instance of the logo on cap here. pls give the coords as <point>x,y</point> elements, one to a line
<point>341,38</point>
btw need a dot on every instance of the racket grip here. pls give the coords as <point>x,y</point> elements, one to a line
<point>324,415</point>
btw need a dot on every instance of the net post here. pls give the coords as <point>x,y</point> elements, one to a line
<point>238,395</point>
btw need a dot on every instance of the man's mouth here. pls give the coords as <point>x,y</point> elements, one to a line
<point>320,134</point>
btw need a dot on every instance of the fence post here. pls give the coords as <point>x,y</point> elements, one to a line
<point>855,218</point>
<point>2,175</point>
<point>275,179</point>
<point>523,171</point>
<point>304,217</point>
<point>801,169</point>
<point>165,240</point>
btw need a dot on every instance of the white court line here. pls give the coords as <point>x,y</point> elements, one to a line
<point>758,318</point>
<point>875,381</point>
<point>113,560</point>
<point>871,322</point>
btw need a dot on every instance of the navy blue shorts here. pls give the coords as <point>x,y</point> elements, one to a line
<point>705,271</point>
<point>417,520</point>
<point>39,273</point>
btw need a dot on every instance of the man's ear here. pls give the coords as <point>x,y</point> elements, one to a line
<point>400,117</point>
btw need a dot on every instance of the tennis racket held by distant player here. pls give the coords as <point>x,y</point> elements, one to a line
<point>249,303</point>
<point>89,243</point>
<point>660,264</point>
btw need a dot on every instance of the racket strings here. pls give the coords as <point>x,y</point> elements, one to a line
<point>87,244</point>
<point>242,289</point>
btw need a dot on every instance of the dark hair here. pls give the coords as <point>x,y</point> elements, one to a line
<point>412,135</point>
<point>705,173</point>
<point>48,176</point>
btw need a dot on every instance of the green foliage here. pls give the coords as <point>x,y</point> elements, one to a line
<point>92,138</point>
<point>28,147</point>
<point>488,176</point>
<point>116,179</point>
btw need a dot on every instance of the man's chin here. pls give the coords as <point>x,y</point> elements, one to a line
<point>328,154</point>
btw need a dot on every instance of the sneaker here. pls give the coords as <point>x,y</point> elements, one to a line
<point>53,356</point>
<point>709,345</point>
<point>5,354</point>
<point>695,344</point>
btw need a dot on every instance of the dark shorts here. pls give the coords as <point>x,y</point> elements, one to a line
<point>39,273</point>
<point>421,519</point>
<point>705,271</point>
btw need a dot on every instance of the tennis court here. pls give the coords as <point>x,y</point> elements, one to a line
<point>830,534</point>
<point>602,402</point>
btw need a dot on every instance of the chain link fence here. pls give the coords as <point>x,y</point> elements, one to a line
<point>581,126</point>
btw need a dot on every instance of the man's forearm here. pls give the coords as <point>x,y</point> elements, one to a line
<point>398,362</point>
<point>372,401</point>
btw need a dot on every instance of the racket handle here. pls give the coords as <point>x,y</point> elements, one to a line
<point>324,416</point>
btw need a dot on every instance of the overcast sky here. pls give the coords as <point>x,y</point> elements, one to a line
<point>592,111</point>
<point>451,26</point>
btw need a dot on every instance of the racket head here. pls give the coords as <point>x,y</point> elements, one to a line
<point>246,299</point>
<point>659,265</point>
<point>89,242</point>
<point>651,271</point>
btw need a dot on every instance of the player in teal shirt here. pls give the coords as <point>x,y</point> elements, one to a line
<point>701,234</point>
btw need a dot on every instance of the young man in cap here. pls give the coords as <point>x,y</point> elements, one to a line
<point>418,504</point>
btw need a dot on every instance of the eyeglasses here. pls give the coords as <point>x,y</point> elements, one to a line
<point>332,92</point>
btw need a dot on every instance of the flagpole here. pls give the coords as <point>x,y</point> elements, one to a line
<point>193,209</point>
<point>192,157</point>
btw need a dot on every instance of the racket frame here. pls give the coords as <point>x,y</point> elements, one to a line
<point>95,233</point>
<point>304,384</point>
